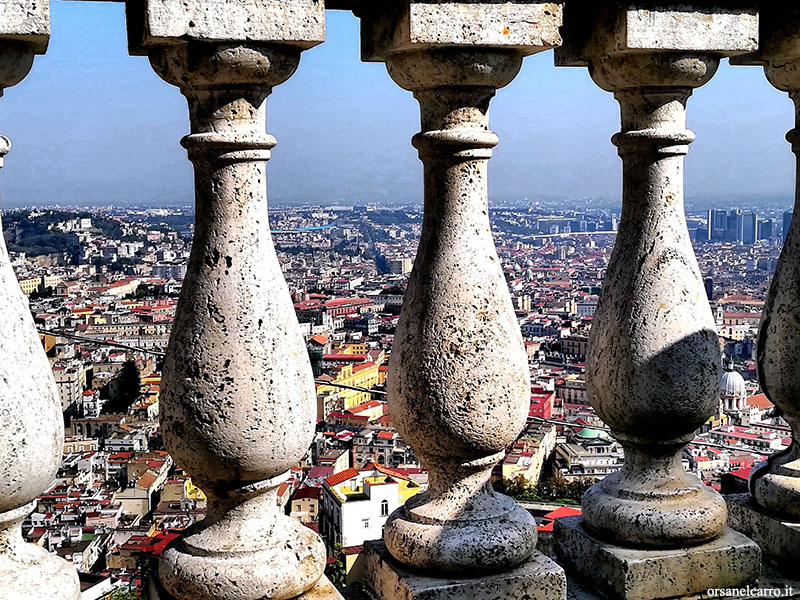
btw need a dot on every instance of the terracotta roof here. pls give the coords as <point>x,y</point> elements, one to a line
<point>760,401</point>
<point>320,339</point>
<point>147,480</point>
<point>341,477</point>
<point>307,492</point>
<point>564,511</point>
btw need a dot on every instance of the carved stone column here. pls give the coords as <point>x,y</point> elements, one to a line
<point>771,513</point>
<point>238,401</point>
<point>31,424</point>
<point>653,362</point>
<point>458,380</point>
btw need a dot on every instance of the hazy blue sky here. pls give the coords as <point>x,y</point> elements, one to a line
<point>91,124</point>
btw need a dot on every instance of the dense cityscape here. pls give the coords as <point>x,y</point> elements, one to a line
<point>103,285</point>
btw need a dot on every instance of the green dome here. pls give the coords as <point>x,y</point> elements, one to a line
<point>587,433</point>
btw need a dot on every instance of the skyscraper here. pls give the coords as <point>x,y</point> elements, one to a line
<point>717,224</point>
<point>749,227</point>
<point>787,221</point>
<point>734,231</point>
<point>765,229</point>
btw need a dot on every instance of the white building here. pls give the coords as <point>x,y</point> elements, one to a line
<point>356,503</point>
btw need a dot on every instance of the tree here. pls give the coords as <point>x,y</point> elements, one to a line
<point>123,595</point>
<point>129,384</point>
<point>336,571</point>
<point>553,489</point>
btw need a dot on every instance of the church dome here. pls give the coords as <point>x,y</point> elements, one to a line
<point>588,433</point>
<point>731,385</point>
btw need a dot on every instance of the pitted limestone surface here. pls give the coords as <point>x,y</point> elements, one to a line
<point>525,27</point>
<point>592,30</point>
<point>731,560</point>
<point>299,23</point>
<point>458,378</point>
<point>238,399</point>
<point>27,23</point>
<point>779,538</point>
<point>29,571</point>
<point>776,485</point>
<point>653,358</point>
<point>538,578</point>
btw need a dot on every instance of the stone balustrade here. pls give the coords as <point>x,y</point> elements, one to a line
<point>238,399</point>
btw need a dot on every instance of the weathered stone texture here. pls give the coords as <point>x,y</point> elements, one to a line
<point>538,578</point>
<point>606,29</point>
<point>653,358</point>
<point>458,380</point>
<point>527,27</point>
<point>238,399</point>
<point>324,590</point>
<point>730,560</point>
<point>773,517</point>
<point>779,538</point>
<point>26,21</point>
<point>299,22</point>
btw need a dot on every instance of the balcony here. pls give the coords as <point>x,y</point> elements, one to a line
<point>237,418</point>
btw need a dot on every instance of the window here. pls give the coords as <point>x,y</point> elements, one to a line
<point>366,523</point>
<point>384,508</point>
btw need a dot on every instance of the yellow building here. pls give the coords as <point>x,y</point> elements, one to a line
<point>354,349</point>
<point>30,285</point>
<point>366,375</point>
<point>34,284</point>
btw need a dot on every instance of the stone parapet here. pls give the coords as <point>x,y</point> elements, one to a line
<point>538,578</point>
<point>729,561</point>
<point>299,23</point>
<point>779,538</point>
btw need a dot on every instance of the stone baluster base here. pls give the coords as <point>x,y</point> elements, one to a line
<point>779,539</point>
<point>324,590</point>
<point>731,560</point>
<point>538,578</point>
<point>28,571</point>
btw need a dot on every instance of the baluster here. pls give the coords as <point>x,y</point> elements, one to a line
<point>238,402</point>
<point>31,423</point>
<point>653,359</point>
<point>770,515</point>
<point>458,380</point>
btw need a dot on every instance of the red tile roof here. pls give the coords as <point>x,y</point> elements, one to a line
<point>564,511</point>
<point>341,477</point>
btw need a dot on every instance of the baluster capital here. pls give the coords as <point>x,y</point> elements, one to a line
<point>153,23</point>
<point>596,30</point>
<point>524,26</point>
